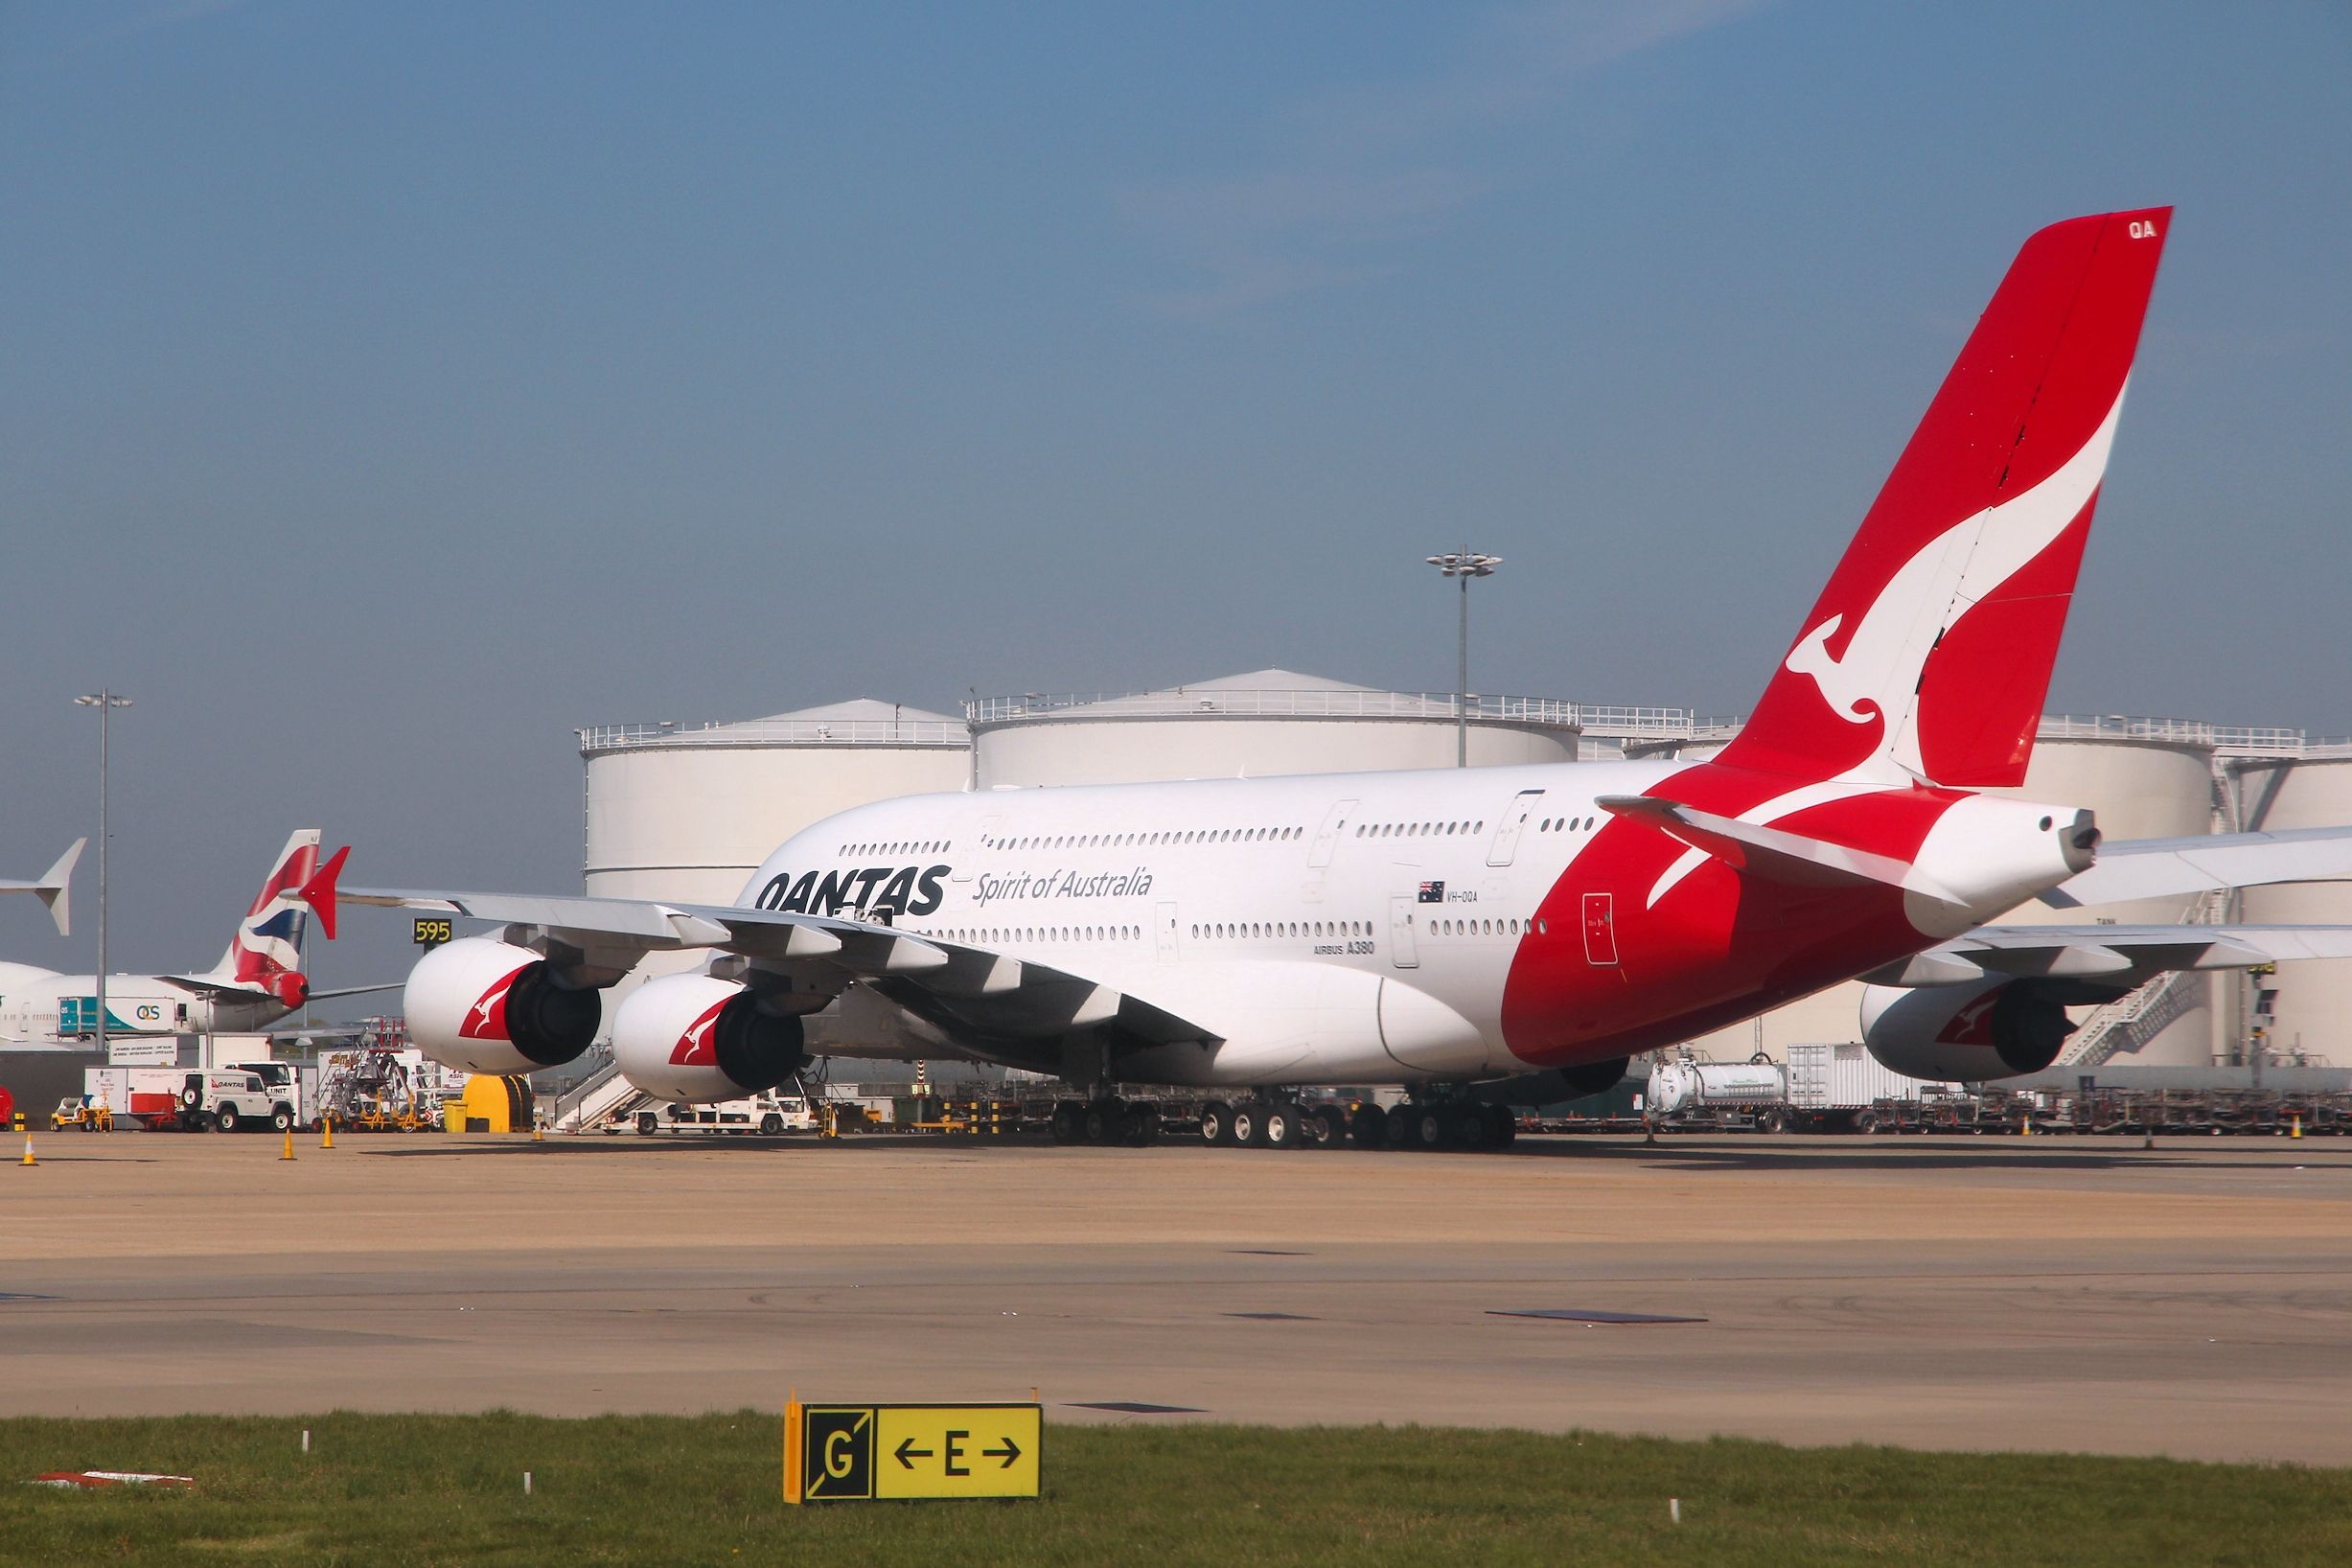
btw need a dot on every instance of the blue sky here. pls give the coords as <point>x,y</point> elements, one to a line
<point>385,390</point>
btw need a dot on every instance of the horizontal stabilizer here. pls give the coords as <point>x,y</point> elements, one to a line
<point>54,888</point>
<point>1774,854</point>
<point>2162,867</point>
<point>2099,952</point>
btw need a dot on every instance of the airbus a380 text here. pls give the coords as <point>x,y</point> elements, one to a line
<point>1532,928</point>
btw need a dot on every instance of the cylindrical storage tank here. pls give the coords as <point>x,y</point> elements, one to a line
<point>689,813</point>
<point>1260,724</point>
<point>2146,778</point>
<point>2314,1006</point>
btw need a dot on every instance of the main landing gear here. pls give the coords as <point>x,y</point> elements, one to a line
<point>1107,1120</point>
<point>1415,1125</point>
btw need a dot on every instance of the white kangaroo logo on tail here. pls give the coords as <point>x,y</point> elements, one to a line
<point>1883,660</point>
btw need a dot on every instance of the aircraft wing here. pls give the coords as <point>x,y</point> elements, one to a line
<point>2157,867</point>
<point>992,994</point>
<point>2099,952</point>
<point>53,888</point>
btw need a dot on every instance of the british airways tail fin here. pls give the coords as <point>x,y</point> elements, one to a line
<point>266,955</point>
<point>1929,652</point>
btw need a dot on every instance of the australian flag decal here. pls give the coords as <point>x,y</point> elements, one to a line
<point>1433,892</point>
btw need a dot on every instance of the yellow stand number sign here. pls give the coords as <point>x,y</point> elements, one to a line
<point>883,1453</point>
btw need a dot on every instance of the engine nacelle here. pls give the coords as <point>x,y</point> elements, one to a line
<point>690,1037</point>
<point>490,1006</point>
<point>1988,1029</point>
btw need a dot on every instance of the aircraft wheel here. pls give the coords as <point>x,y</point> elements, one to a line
<point>1467,1128</point>
<point>1139,1125</point>
<point>1249,1125</point>
<point>1066,1128</point>
<point>1104,1119</point>
<point>1429,1128</point>
<point>1284,1124</point>
<point>1400,1133</point>
<point>1502,1127</point>
<point>1327,1127</point>
<point>1216,1122</point>
<point>1368,1127</point>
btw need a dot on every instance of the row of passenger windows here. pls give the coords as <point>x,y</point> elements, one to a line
<point>1230,835</point>
<point>1117,840</point>
<point>1043,933</point>
<point>1475,928</point>
<point>1216,930</point>
<point>1415,830</point>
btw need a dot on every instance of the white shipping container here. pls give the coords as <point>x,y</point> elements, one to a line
<point>1843,1075</point>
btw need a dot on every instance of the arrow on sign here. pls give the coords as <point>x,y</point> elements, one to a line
<point>1008,1453</point>
<point>906,1453</point>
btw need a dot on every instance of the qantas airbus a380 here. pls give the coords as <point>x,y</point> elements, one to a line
<point>1449,929</point>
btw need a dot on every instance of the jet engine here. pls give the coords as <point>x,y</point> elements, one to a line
<point>690,1037</point>
<point>490,1006</point>
<point>1988,1029</point>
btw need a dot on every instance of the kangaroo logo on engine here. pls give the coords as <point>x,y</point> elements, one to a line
<point>873,890</point>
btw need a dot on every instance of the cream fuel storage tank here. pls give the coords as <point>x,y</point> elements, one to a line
<point>690,812</point>
<point>1260,725</point>
<point>2310,788</point>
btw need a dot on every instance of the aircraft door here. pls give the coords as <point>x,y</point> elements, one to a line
<point>1404,908</point>
<point>1601,929</point>
<point>1326,837</point>
<point>1511,826</point>
<point>1164,934</point>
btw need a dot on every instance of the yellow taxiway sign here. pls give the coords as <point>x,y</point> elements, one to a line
<point>883,1453</point>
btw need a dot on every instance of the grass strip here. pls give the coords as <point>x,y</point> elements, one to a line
<point>447,1490</point>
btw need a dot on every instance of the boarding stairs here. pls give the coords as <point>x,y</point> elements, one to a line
<point>603,1096</point>
<point>2132,1021</point>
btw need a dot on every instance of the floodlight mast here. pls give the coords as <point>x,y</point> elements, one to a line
<point>1464,563</point>
<point>106,702</point>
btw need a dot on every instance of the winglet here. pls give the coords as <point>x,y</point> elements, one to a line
<point>56,889</point>
<point>319,891</point>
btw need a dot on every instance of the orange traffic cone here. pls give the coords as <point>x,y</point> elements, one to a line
<point>28,1159</point>
<point>289,1152</point>
<point>326,1132</point>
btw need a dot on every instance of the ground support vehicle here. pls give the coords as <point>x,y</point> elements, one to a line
<point>237,1099</point>
<point>79,1111</point>
<point>768,1113</point>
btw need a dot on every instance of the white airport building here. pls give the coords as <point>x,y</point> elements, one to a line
<point>687,812</point>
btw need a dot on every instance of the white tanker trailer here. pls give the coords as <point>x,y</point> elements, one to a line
<point>1682,1087</point>
<point>1823,1088</point>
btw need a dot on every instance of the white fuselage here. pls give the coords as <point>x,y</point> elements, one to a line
<point>33,1001</point>
<point>1331,928</point>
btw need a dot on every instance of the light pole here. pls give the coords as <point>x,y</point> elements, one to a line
<point>106,702</point>
<point>1464,564</point>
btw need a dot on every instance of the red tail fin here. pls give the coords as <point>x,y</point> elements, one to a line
<point>1929,652</point>
<point>319,891</point>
